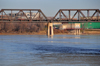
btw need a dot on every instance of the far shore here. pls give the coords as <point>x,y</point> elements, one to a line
<point>46,34</point>
<point>86,32</point>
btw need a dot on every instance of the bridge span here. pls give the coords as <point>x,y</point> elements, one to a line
<point>37,16</point>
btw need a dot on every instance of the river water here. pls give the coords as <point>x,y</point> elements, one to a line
<point>40,50</point>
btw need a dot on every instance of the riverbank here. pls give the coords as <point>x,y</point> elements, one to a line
<point>91,31</point>
<point>25,33</point>
<point>62,32</point>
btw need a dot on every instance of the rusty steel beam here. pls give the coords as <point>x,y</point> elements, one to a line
<point>82,14</point>
<point>56,14</point>
<point>78,9</point>
<point>21,16</point>
<point>11,15</point>
<point>75,14</point>
<point>39,16</point>
<point>43,14</point>
<point>60,15</point>
<point>74,21</point>
<point>88,14</point>
<point>64,14</point>
<point>60,12</point>
<point>2,16</point>
<point>25,15</point>
<point>24,21</point>
<point>78,14</point>
<point>35,15</point>
<point>16,15</point>
<point>69,14</point>
<point>6,15</point>
<point>21,9</point>
<point>2,10</point>
<point>97,14</point>
<point>30,15</point>
<point>93,14</point>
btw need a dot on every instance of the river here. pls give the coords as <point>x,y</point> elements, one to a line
<point>40,50</point>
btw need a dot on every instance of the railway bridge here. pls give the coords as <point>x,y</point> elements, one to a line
<point>62,16</point>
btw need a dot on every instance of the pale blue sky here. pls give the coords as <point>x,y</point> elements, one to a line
<point>49,7</point>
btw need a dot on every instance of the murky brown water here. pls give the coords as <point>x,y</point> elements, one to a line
<point>40,50</point>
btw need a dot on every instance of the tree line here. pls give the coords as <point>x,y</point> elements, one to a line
<point>22,27</point>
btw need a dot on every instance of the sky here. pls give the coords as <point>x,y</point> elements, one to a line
<point>49,7</point>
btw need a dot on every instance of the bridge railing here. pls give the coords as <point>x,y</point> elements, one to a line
<point>22,15</point>
<point>77,15</point>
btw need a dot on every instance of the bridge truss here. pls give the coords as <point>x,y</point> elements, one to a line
<point>77,15</point>
<point>63,15</point>
<point>22,15</point>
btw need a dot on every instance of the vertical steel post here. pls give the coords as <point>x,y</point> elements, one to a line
<point>39,16</point>
<point>69,15</point>
<point>11,15</point>
<point>60,15</point>
<point>97,15</point>
<point>30,15</point>
<point>2,16</point>
<point>93,14</point>
<point>87,14</point>
<point>78,15</point>
<point>21,16</point>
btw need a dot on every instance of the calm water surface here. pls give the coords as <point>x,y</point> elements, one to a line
<point>59,50</point>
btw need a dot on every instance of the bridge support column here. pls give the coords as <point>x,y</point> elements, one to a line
<point>50,29</point>
<point>77,32</point>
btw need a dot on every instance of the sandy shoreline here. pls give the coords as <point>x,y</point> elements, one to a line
<point>86,32</point>
<point>21,34</point>
<point>46,34</point>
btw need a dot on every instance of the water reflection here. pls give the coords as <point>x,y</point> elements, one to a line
<point>64,37</point>
<point>50,37</point>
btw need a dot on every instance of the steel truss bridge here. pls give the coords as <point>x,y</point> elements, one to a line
<point>63,15</point>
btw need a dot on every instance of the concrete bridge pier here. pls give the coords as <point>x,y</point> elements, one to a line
<point>77,32</point>
<point>50,29</point>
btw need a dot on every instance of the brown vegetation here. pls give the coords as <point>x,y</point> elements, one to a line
<point>91,31</point>
<point>34,28</point>
<point>57,31</point>
<point>21,27</point>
